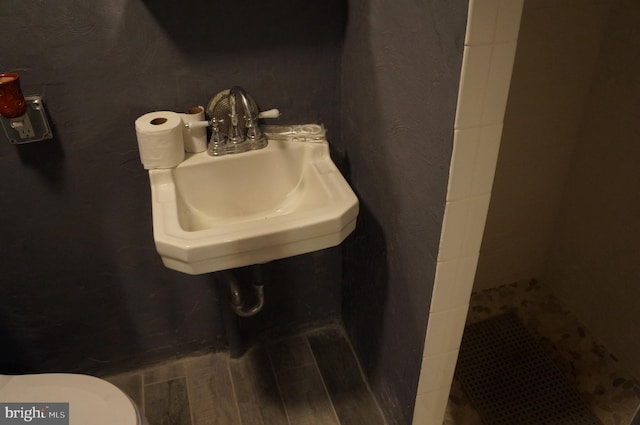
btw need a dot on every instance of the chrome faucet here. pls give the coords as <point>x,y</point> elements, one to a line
<point>230,131</point>
<point>253,132</point>
<point>243,132</point>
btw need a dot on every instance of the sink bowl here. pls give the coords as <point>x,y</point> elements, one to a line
<point>216,213</point>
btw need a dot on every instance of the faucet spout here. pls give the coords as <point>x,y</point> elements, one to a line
<point>253,133</point>
<point>237,91</point>
<point>235,136</point>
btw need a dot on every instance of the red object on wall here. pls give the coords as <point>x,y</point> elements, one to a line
<point>12,102</point>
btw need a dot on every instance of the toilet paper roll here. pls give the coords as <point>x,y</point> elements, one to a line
<point>195,139</point>
<point>160,139</point>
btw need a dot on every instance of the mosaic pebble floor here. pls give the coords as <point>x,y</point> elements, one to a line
<point>610,390</point>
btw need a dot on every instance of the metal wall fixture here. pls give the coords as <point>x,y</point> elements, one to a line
<point>237,299</point>
<point>23,119</point>
<point>31,127</point>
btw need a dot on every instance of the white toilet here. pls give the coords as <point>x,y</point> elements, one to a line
<point>91,400</point>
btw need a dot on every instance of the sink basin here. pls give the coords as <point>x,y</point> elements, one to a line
<point>216,213</point>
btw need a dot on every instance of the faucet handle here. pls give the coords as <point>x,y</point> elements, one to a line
<point>218,139</point>
<point>197,124</point>
<point>271,113</point>
<point>216,136</point>
<point>253,131</point>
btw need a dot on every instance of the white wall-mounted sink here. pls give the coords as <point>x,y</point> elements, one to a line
<point>216,213</point>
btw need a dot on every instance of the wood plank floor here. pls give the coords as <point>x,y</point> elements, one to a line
<point>307,379</point>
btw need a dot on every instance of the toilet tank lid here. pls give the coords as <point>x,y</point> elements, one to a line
<point>91,400</point>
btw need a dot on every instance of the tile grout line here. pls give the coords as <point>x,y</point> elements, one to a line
<point>186,382</point>
<point>255,397</point>
<point>233,387</point>
<point>363,376</point>
<point>142,394</point>
<point>315,362</point>
<point>275,376</point>
<point>635,419</point>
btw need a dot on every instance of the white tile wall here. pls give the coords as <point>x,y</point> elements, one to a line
<point>497,89</point>
<point>508,21</point>
<point>430,407</point>
<point>453,283</point>
<point>481,25</point>
<point>453,229</point>
<point>473,162</point>
<point>461,169</point>
<point>438,373</point>
<point>444,331</point>
<point>486,159</point>
<point>490,46</point>
<point>474,227</point>
<point>476,64</point>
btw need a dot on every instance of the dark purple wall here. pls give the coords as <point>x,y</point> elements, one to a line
<point>400,72</point>
<point>81,286</point>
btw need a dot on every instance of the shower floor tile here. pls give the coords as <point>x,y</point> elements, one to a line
<point>307,379</point>
<point>610,390</point>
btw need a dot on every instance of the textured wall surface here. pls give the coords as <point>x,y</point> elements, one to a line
<point>401,66</point>
<point>557,50</point>
<point>594,264</point>
<point>81,286</point>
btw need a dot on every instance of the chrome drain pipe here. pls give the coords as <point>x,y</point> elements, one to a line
<point>237,302</point>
